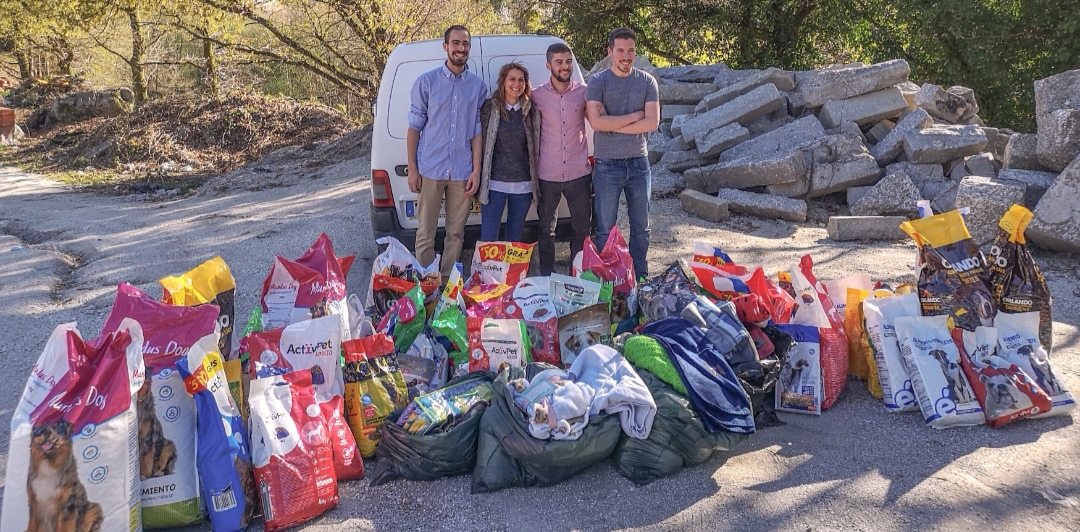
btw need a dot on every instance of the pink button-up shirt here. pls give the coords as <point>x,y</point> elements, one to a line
<point>564,151</point>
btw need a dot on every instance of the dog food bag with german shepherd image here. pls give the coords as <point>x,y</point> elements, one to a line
<point>952,271</point>
<point>1017,283</point>
<point>801,388</point>
<point>290,448</point>
<point>1018,343</point>
<point>73,460</point>
<point>226,478</point>
<point>946,398</point>
<point>1005,391</point>
<point>210,283</point>
<point>166,415</point>
<point>374,387</point>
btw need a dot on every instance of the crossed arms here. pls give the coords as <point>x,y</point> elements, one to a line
<point>637,122</point>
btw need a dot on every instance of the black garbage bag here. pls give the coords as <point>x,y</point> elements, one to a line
<point>508,456</point>
<point>678,438</point>
<point>758,378</point>
<point>434,455</point>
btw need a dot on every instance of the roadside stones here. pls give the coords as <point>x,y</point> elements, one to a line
<point>1021,152</point>
<point>864,109</point>
<point>1056,224</point>
<point>744,109</point>
<point>953,106</point>
<point>1037,183</point>
<point>749,172</point>
<point>684,93</point>
<point>1057,113</point>
<point>782,139</point>
<point>844,228</point>
<point>892,146</point>
<point>781,79</point>
<point>895,194</point>
<point>764,205</point>
<point>826,178</point>
<point>704,206</point>
<point>840,83</point>
<point>988,201</point>
<point>940,144</point>
<point>716,141</point>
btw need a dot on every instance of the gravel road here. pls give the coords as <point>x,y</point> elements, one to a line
<point>857,467</point>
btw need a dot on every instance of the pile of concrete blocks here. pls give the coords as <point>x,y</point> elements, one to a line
<point>763,142</point>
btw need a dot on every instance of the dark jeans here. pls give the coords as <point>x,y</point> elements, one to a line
<point>611,179</point>
<point>516,207</point>
<point>578,193</point>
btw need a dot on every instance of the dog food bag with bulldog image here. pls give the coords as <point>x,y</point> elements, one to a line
<point>1005,391</point>
<point>291,451</point>
<point>210,283</point>
<point>495,344</point>
<point>167,449</point>
<point>1017,283</point>
<point>946,398</point>
<point>881,314</point>
<point>73,459</point>
<point>374,387</point>
<point>952,271</point>
<point>1018,343</point>
<point>500,262</point>
<point>582,329</point>
<point>801,388</point>
<point>226,478</point>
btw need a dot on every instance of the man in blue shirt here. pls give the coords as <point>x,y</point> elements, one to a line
<point>444,148</point>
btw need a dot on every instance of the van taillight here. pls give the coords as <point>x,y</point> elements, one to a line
<point>381,194</point>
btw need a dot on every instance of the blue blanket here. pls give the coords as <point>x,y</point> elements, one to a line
<point>714,389</point>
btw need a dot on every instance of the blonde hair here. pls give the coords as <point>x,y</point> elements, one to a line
<point>498,98</point>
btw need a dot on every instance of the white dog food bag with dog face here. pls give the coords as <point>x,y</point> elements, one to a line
<point>1018,343</point>
<point>881,315</point>
<point>946,398</point>
<point>73,462</point>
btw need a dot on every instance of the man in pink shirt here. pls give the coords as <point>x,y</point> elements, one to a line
<point>564,168</point>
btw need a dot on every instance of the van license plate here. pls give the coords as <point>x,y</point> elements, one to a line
<point>410,208</point>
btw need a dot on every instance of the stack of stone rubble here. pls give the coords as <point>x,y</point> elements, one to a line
<point>762,142</point>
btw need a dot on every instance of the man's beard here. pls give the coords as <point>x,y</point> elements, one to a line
<point>457,61</point>
<point>562,78</point>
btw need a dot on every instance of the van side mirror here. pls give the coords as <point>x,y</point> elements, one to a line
<point>374,102</point>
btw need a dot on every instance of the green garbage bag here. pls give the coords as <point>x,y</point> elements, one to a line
<point>433,455</point>
<point>678,438</point>
<point>508,456</point>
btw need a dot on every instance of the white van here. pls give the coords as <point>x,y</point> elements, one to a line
<point>393,205</point>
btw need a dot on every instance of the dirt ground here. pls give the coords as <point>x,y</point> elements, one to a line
<point>857,467</point>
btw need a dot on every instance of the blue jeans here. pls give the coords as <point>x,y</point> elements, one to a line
<point>612,178</point>
<point>516,206</point>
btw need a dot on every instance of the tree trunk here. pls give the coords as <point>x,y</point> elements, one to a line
<point>138,55</point>
<point>23,58</point>
<point>210,67</point>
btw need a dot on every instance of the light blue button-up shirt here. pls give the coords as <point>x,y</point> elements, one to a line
<point>446,111</point>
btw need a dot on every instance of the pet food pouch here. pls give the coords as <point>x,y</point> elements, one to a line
<point>531,302</point>
<point>666,294</point>
<point>501,262</point>
<point>1018,343</point>
<point>1017,284</point>
<point>952,273</point>
<point>226,478</point>
<point>405,319</point>
<point>881,315</point>
<point>584,328</point>
<point>801,387</point>
<point>310,344</point>
<point>208,283</point>
<point>348,464</point>
<point>815,308</point>
<point>570,294</point>
<point>398,262</point>
<point>374,388</point>
<point>1005,392</point>
<point>167,466</point>
<point>73,459</point>
<point>294,466</point>
<point>495,342</point>
<point>614,265</point>
<point>933,361</point>
<point>332,292</point>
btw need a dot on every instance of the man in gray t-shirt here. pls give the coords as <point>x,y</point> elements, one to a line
<point>623,106</point>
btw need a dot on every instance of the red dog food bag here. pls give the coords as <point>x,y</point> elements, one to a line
<point>311,344</point>
<point>291,451</point>
<point>1005,392</point>
<point>73,458</point>
<point>531,301</point>
<point>321,258</point>
<point>614,265</point>
<point>348,464</point>
<point>501,262</point>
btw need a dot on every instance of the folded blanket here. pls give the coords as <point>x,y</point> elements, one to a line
<point>713,387</point>
<point>647,354</point>
<point>557,407</point>
<point>617,388</point>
